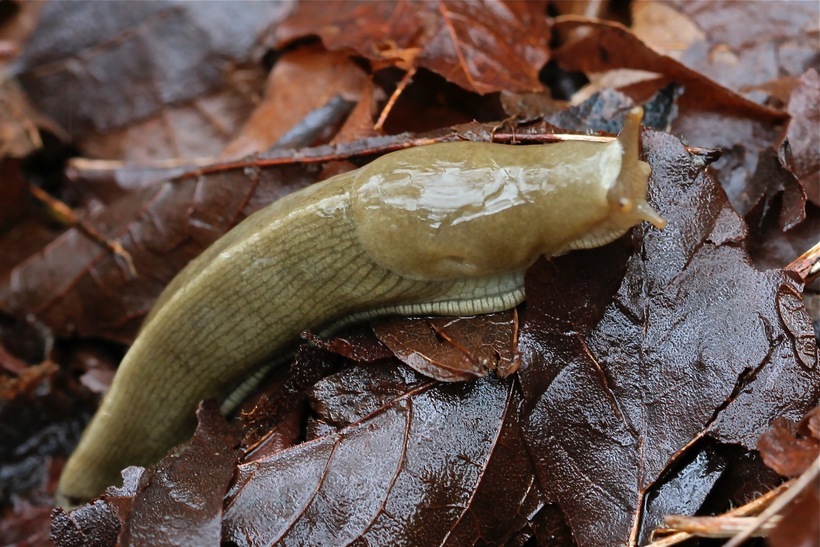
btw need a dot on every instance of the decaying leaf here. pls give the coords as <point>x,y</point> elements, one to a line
<point>468,43</point>
<point>649,368</point>
<point>417,466</point>
<point>455,349</point>
<point>157,80</point>
<point>790,448</point>
<point>628,376</point>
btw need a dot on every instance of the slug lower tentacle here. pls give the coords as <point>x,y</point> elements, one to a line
<point>444,229</point>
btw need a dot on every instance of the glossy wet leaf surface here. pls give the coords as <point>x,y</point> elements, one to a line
<point>658,375</point>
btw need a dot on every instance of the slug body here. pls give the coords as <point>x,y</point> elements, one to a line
<point>443,229</point>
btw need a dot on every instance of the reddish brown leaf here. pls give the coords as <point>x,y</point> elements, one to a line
<point>179,501</point>
<point>790,448</point>
<point>156,80</point>
<point>263,420</point>
<point>804,140</point>
<point>605,46</point>
<point>25,525</point>
<point>773,187</point>
<point>692,345</point>
<point>300,82</point>
<point>433,463</point>
<point>358,344</point>
<point>455,349</point>
<point>99,522</point>
<point>93,524</point>
<point>481,46</point>
<point>800,526</point>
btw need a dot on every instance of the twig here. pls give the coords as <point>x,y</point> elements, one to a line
<point>778,504</point>
<point>67,216</point>
<point>753,507</point>
<point>718,527</point>
<point>405,81</point>
<point>807,265</point>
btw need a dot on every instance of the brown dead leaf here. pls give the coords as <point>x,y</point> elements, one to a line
<point>455,349</point>
<point>633,373</point>
<point>481,46</point>
<point>157,80</point>
<point>262,423</point>
<point>300,82</point>
<point>665,29</point>
<point>790,448</point>
<point>25,524</point>
<point>176,502</point>
<point>743,47</point>
<point>100,521</point>
<point>800,526</point>
<point>604,46</point>
<point>770,188</point>
<point>455,450</point>
<point>179,501</point>
<point>802,133</point>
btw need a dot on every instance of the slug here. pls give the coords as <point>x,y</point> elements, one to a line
<point>445,229</point>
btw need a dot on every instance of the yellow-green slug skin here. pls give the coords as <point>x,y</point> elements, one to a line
<point>443,229</point>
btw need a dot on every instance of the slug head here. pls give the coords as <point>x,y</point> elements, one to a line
<point>627,198</point>
<point>461,210</point>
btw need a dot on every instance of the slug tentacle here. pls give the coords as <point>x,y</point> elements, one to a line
<point>444,229</point>
<point>628,196</point>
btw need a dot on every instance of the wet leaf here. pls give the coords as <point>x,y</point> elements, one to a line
<point>468,43</point>
<point>301,81</point>
<point>455,349</point>
<point>179,501</point>
<point>800,525</point>
<point>804,142</point>
<point>138,66</point>
<point>632,370</point>
<point>418,467</point>
<point>773,187</point>
<point>735,46</point>
<point>100,521</point>
<point>790,448</point>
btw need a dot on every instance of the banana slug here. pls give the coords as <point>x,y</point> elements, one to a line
<point>444,229</point>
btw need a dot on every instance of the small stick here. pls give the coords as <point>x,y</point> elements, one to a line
<point>751,508</point>
<point>807,265</point>
<point>405,81</point>
<point>68,217</point>
<point>803,482</point>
